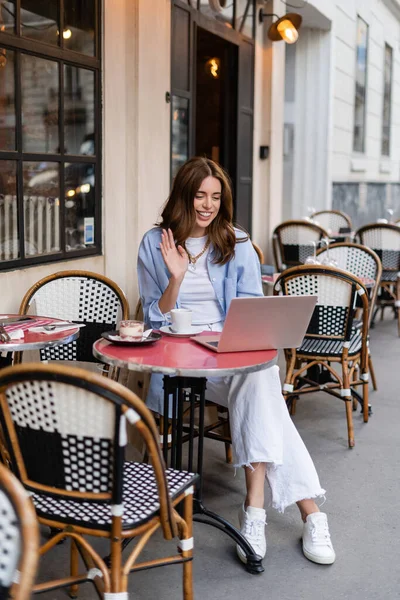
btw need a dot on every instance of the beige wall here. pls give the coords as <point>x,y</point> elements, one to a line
<point>268,130</point>
<point>136,132</point>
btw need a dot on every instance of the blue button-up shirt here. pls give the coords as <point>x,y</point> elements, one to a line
<point>240,277</point>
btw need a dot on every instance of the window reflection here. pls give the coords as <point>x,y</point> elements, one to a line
<point>39,20</point>
<point>41,208</point>
<point>7,100</point>
<point>79,28</point>
<point>79,205</point>
<point>7,17</point>
<point>361,85</point>
<point>225,15</point>
<point>180,132</point>
<point>9,233</point>
<point>79,90</point>
<point>244,18</point>
<point>40,110</point>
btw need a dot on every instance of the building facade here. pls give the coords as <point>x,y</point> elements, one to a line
<point>96,119</point>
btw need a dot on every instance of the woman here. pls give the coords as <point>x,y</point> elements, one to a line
<point>196,259</point>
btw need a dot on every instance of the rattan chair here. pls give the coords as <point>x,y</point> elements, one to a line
<point>330,338</point>
<point>80,297</point>
<point>259,252</point>
<point>65,429</point>
<point>293,242</point>
<point>384,239</point>
<point>361,262</point>
<point>332,220</point>
<point>19,539</point>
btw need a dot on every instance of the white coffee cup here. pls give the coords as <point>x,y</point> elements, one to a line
<point>181,320</point>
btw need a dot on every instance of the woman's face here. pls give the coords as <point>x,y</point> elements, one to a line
<point>206,204</point>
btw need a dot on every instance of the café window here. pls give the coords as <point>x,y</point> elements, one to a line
<point>387,100</point>
<point>49,131</point>
<point>361,86</point>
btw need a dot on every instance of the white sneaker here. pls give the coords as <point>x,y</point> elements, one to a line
<point>252,526</point>
<point>317,545</point>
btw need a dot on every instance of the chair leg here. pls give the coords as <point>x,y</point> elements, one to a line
<point>350,427</point>
<point>73,590</point>
<point>226,429</point>
<point>372,371</point>
<point>349,404</point>
<point>188,566</point>
<point>365,388</point>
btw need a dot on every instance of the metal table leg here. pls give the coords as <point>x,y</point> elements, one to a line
<point>173,456</point>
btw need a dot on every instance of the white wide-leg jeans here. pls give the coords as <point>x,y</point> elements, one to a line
<point>262,431</point>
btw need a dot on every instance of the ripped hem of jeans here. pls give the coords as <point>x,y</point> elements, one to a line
<point>250,463</point>
<point>281,506</point>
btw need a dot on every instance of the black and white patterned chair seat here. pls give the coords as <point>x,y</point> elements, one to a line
<point>10,544</point>
<point>140,499</point>
<point>330,346</point>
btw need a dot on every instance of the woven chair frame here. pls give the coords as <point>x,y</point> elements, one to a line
<point>338,213</point>
<point>298,364</point>
<point>28,530</point>
<point>62,352</point>
<point>113,578</point>
<point>279,247</point>
<point>390,280</point>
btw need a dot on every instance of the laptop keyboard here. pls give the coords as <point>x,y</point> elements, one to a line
<point>215,344</point>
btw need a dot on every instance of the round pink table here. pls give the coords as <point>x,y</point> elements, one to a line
<point>33,340</point>
<point>186,366</point>
<point>182,357</point>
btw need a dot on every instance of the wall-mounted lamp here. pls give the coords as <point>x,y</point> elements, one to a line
<point>285,28</point>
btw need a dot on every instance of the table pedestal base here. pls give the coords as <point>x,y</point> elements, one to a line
<point>193,389</point>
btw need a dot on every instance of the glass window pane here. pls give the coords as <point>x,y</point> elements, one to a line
<point>180,132</point>
<point>9,234</point>
<point>40,110</point>
<point>39,20</point>
<point>7,17</point>
<point>41,208</point>
<point>244,20</point>
<point>222,10</point>
<point>79,205</point>
<point>7,100</point>
<point>361,84</point>
<point>79,90</point>
<point>80,25</point>
<point>387,101</point>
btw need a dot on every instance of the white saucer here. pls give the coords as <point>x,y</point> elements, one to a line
<point>192,331</point>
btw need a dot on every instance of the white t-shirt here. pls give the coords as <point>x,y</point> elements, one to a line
<point>196,292</point>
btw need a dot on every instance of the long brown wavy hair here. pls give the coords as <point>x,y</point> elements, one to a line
<point>180,216</point>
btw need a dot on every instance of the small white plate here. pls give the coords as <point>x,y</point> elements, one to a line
<point>193,330</point>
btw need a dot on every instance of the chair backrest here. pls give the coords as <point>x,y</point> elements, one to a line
<point>292,242</point>
<point>337,291</point>
<point>359,261</point>
<point>19,539</point>
<point>65,431</point>
<point>259,252</point>
<point>384,239</point>
<point>332,220</point>
<point>81,297</point>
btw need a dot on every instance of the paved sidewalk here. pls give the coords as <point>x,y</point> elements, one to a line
<point>362,503</point>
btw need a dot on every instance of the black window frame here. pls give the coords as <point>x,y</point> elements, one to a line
<point>19,44</point>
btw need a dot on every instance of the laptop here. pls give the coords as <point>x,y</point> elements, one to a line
<point>262,323</point>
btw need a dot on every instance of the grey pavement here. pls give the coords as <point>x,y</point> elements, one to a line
<point>362,503</point>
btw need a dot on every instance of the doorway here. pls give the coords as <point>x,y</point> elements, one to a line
<point>216,100</point>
